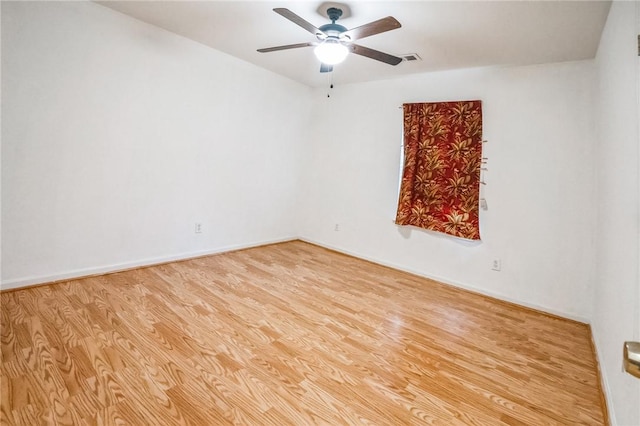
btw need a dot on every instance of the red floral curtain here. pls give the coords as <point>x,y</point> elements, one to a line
<point>441,178</point>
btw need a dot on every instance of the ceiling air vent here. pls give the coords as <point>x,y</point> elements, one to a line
<point>411,57</point>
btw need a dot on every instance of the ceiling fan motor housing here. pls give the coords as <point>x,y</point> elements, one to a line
<point>332,30</point>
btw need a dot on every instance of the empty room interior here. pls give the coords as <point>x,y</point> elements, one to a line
<point>206,221</point>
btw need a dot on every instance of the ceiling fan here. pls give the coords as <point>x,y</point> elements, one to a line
<point>335,42</point>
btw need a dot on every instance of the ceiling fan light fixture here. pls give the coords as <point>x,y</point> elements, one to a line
<point>331,51</point>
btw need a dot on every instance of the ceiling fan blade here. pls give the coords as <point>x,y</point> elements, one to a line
<point>375,54</point>
<point>285,47</point>
<point>326,68</point>
<point>286,13</point>
<point>376,27</point>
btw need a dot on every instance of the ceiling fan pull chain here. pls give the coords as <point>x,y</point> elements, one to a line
<point>330,81</point>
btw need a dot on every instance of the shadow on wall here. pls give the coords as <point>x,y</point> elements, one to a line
<point>406,230</point>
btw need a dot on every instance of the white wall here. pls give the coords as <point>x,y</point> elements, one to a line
<point>540,183</point>
<point>616,298</point>
<point>118,136</point>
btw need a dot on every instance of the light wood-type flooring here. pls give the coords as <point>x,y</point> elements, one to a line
<point>286,334</point>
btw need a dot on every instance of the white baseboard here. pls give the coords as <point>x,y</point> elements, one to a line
<point>106,269</point>
<point>454,283</point>
<point>606,389</point>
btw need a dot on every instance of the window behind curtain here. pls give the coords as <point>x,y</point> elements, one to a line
<point>440,184</point>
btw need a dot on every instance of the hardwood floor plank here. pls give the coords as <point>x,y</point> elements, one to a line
<point>286,334</point>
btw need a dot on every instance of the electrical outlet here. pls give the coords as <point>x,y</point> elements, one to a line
<point>496,265</point>
<point>337,227</point>
<point>198,228</point>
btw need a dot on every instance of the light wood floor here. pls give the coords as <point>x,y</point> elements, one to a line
<point>286,334</point>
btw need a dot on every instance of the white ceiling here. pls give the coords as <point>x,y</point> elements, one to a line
<point>446,34</point>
